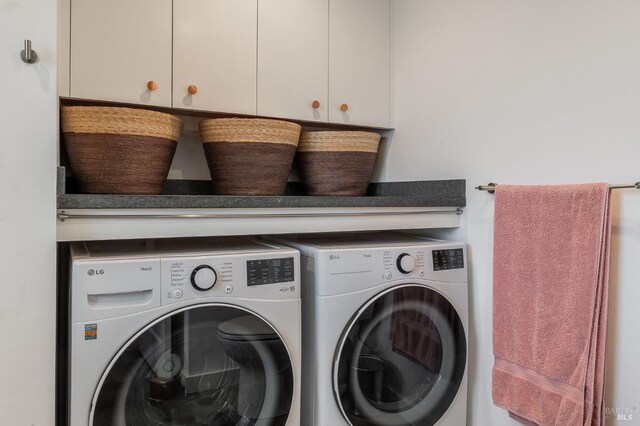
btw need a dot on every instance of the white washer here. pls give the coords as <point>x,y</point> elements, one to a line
<point>384,330</point>
<point>184,332</point>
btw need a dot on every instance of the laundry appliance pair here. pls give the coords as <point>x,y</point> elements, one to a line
<point>334,330</point>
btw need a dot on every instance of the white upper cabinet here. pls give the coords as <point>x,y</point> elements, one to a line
<point>121,50</point>
<point>359,62</point>
<point>312,60</point>
<point>292,59</point>
<point>214,55</point>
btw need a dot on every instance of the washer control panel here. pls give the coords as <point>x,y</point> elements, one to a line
<point>186,278</point>
<point>269,271</point>
<point>273,276</point>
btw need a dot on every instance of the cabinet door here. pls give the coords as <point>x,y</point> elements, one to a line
<point>359,62</point>
<point>28,141</point>
<point>120,49</point>
<point>292,59</point>
<point>215,55</point>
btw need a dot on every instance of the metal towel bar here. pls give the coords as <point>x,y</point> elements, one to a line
<point>62,215</point>
<point>491,187</point>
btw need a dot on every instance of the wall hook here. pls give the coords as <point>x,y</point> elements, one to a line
<point>28,55</point>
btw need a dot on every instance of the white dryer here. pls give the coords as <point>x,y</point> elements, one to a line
<point>184,332</point>
<point>384,330</point>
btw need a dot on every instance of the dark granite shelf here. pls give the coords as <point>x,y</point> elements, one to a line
<point>193,195</point>
<point>81,201</point>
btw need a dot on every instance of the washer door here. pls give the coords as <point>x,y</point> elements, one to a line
<point>401,359</point>
<point>206,365</point>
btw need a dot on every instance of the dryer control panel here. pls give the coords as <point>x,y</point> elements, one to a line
<point>350,269</point>
<point>405,262</point>
<point>448,259</point>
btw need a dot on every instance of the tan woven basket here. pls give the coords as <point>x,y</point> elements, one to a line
<point>116,150</point>
<point>249,156</point>
<point>339,142</point>
<point>337,162</point>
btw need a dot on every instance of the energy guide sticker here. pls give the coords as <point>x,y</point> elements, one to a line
<point>90,331</point>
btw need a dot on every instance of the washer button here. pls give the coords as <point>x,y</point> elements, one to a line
<point>203,278</point>
<point>228,289</point>
<point>177,293</point>
<point>406,263</point>
<point>388,276</point>
<point>421,273</point>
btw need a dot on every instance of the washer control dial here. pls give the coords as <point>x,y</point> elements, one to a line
<point>406,263</point>
<point>203,278</point>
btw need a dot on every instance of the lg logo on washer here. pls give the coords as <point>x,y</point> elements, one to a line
<point>94,272</point>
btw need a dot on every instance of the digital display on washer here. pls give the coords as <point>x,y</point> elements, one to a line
<point>448,259</point>
<point>269,271</point>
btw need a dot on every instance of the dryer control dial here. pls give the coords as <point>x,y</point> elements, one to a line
<point>203,278</point>
<point>406,263</point>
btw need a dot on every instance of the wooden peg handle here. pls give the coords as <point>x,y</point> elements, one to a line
<point>344,107</point>
<point>152,85</point>
<point>192,89</point>
<point>315,104</point>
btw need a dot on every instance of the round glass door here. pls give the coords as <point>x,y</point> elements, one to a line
<point>214,365</point>
<point>401,359</point>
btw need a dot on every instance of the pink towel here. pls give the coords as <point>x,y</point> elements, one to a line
<point>550,285</point>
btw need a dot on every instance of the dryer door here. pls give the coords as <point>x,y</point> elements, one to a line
<point>205,365</point>
<point>401,359</point>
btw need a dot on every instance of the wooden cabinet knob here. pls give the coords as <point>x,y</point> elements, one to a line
<point>152,85</point>
<point>344,107</point>
<point>315,104</point>
<point>192,89</point>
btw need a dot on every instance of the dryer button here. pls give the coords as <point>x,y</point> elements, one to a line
<point>177,293</point>
<point>388,276</point>
<point>228,289</point>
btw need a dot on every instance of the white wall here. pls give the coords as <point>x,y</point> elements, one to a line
<point>525,91</point>
<point>28,128</point>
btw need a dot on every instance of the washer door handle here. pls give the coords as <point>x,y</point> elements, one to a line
<point>115,300</point>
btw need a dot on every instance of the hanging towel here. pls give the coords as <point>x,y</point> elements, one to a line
<point>550,286</point>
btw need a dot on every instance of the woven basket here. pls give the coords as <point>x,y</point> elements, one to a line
<point>249,156</point>
<point>119,150</point>
<point>337,163</point>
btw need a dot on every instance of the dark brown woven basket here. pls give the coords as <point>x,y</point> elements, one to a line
<point>249,156</point>
<point>337,163</point>
<point>120,150</point>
